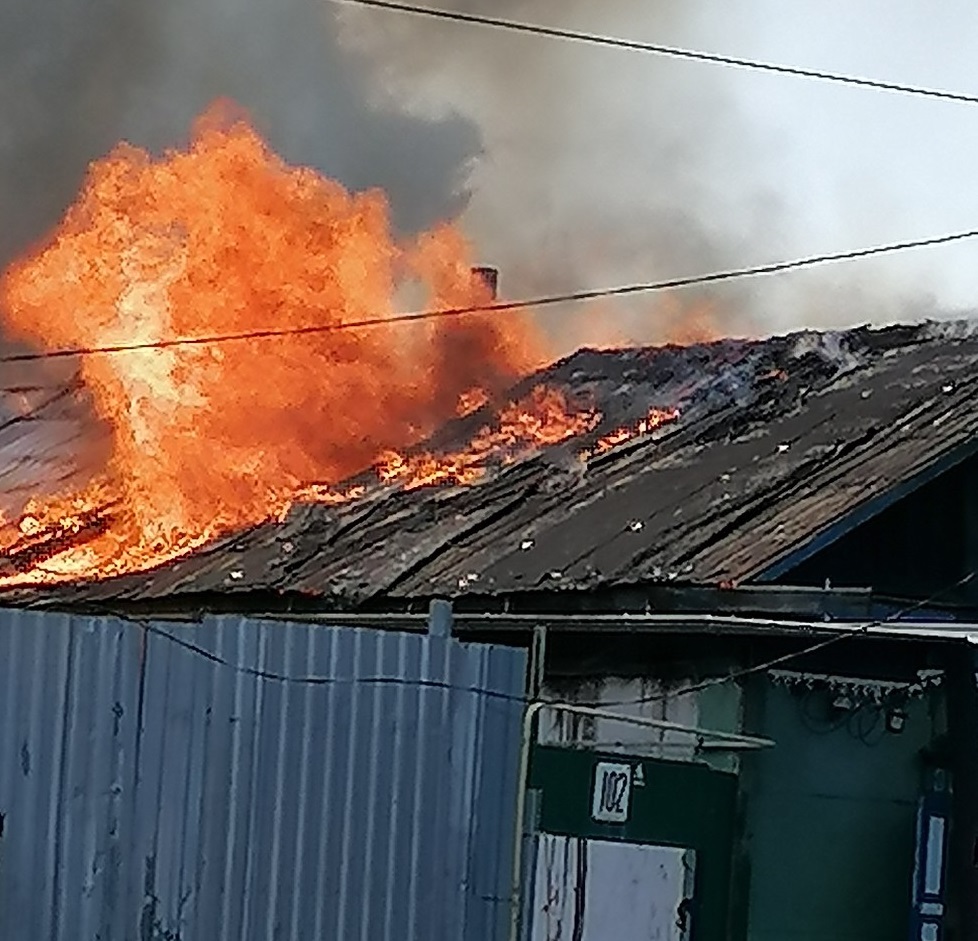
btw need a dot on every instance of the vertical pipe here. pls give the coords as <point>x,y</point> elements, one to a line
<point>440,618</point>
<point>516,893</point>
<point>538,662</point>
<point>530,856</point>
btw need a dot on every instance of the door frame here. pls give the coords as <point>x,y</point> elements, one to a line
<point>670,803</point>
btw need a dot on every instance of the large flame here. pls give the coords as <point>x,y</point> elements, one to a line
<point>225,238</point>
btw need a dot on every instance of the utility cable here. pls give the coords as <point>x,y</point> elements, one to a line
<point>860,630</point>
<point>313,680</point>
<point>672,52</point>
<point>550,300</point>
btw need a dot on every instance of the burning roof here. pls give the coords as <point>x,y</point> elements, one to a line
<point>244,409</point>
<point>224,239</point>
<point>45,440</point>
<point>701,464</point>
<point>237,326</point>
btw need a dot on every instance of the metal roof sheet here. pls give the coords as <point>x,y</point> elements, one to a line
<point>47,434</point>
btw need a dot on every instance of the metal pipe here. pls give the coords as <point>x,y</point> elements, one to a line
<point>692,730</point>
<point>490,278</point>
<point>538,662</point>
<point>660,623</point>
<point>516,892</point>
<point>440,618</point>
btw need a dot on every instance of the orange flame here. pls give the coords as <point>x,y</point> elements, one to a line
<point>471,401</point>
<point>225,238</point>
<point>543,419</point>
<point>656,418</point>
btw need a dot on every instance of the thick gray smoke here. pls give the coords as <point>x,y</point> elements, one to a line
<point>599,167</point>
<point>605,167</point>
<point>572,166</point>
<point>77,78</point>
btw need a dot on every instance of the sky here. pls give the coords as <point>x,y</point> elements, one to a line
<point>570,167</point>
<point>858,167</point>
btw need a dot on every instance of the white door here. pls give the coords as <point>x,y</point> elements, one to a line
<point>591,890</point>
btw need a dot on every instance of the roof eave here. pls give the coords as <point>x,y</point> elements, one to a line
<point>861,514</point>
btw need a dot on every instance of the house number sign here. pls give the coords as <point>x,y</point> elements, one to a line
<point>611,795</point>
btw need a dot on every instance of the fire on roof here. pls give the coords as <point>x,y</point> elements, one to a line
<point>699,464</point>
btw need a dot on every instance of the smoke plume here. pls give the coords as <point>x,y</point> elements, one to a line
<point>598,167</point>
<point>603,167</point>
<point>570,166</point>
<point>76,79</point>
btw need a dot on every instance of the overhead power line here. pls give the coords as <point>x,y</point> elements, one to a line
<point>673,52</point>
<point>550,300</point>
<point>319,680</point>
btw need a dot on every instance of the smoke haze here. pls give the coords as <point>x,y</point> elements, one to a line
<point>571,166</point>
<point>604,167</point>
<point>599,168</point>
<point>76,79</point>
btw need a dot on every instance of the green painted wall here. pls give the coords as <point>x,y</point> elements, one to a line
<point>830,825</point>
<point>720,708</point>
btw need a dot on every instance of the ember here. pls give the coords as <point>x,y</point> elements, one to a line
<point>322,493</point>
<point>471,401</point>
<point>543,419</point>
<point>656,418</point>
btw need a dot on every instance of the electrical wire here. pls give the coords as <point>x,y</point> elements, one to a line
<point>672,52</point>
<point>312,680</point>
<point>815,724</point>
<point>860,630</point>
<point>549,300</point>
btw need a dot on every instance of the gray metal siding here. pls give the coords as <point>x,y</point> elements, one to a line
<point>151,793</point>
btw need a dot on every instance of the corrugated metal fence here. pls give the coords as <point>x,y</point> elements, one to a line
<point>154,792</point>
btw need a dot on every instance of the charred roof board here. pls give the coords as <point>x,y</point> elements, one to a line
<point>778,441</point>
